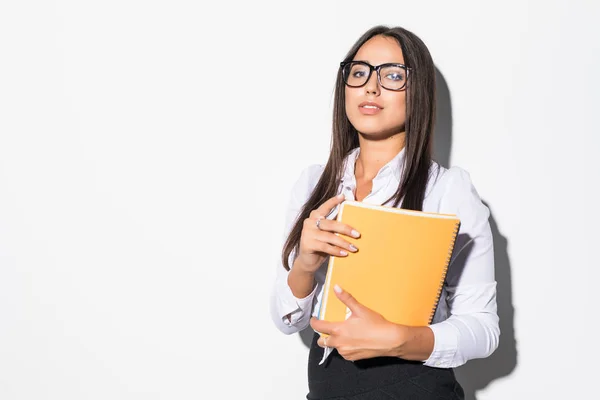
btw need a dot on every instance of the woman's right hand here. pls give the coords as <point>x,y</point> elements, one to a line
<point>316,243</point>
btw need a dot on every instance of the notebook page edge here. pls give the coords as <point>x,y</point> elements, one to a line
<point>401,210</point>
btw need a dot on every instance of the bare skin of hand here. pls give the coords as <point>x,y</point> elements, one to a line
<point>316,243</point>
<point>365,334</point>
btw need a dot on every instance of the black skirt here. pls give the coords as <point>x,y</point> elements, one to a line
<point>380,378</point>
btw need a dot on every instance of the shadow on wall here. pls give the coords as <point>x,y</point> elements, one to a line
<point>475,374</point>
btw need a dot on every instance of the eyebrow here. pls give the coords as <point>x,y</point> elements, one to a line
<point>387,62</point>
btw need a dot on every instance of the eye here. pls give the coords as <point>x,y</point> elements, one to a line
<point>395,76</point>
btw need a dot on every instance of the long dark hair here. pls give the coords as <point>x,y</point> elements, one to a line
<point>420,116</point>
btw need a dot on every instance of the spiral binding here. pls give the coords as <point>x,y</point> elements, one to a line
<point>448,259</point>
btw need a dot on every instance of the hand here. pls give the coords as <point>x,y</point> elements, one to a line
<point>366,334</point>
<point>318,242</point>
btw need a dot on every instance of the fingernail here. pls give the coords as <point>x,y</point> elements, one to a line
<point>341,196</point>
<point>353,247</point>
<point>344,253</point>
<point>355,233</point>
<point>337,289</point>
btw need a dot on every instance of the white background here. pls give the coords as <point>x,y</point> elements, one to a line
<point>130,131</point>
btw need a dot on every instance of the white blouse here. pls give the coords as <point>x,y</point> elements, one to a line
<point>465,324</point>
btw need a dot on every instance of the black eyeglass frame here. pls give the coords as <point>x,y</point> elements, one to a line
<point>375,68</point>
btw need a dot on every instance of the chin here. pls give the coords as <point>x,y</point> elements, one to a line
<point>377,129</point>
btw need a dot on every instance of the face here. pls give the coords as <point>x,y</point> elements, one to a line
<point>375,111</point>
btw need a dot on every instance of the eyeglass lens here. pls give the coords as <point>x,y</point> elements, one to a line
<point>392,77</point>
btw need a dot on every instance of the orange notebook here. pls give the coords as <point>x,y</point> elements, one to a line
<point>400,266</point>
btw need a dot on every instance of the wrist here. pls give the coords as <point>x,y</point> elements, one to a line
<point>301,268</point>
<point>399,335</point>
<point>301,282</point>
<point>412,342</point>
<point>302,274</point>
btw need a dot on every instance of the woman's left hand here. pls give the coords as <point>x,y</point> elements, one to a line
<point>365,334</point>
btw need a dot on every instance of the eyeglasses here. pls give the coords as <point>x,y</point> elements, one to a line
<point>391,76</point>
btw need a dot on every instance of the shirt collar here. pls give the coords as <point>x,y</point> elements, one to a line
<point>394,167</point>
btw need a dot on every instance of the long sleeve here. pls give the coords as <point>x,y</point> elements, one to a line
<point>283,303</point>
<point>471,330</point>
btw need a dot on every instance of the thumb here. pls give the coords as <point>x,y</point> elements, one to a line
<point>348,300</point>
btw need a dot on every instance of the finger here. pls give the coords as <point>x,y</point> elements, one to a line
<point>316,246</point>
<point>335,240</point>
<point>325,208</point>
<point>322,341</point>
<point>326,327</point>
<point>336,227</point>
<point>348,300</point>
<point>350,356</point>
<point>326,341</point>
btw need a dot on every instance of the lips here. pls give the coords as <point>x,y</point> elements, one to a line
<point>370,105</point>
<point>369,108</point>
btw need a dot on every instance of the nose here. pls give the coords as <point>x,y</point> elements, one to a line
<point>372,85</point>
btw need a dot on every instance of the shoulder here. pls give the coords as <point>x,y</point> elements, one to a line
<point>447,178</point>
<point>309,176</point>
<point>306,182</point>
<point>453,190</point>
<point>303,186</point>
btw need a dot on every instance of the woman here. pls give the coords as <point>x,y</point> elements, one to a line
<point>382,127</point>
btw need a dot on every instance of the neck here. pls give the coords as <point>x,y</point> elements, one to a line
<point>374,154</point>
